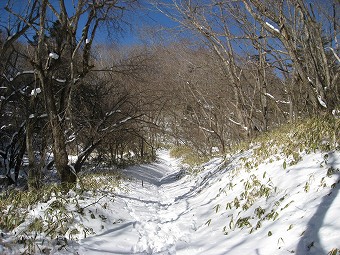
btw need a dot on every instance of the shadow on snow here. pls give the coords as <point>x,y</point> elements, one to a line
<point>310,241</point>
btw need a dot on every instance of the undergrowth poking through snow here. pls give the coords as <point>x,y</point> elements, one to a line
<point>276,195</point>
<point>259,197</point>
<point>39,220</point>
<point>189,156</point>
<point>290,140</point>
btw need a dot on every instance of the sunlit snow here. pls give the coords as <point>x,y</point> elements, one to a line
<point>272,27</point>
<point>53,55</point>
<point>161,210</point>
<point>35,92</point>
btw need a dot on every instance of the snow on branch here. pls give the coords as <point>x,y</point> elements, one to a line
<point>124,120</point>
<point>35,92</point>
<point>18,74</point>
<point>272,27</point>
<point>112,112</point>
<point>53,55</point>
<point>71,138</point>
<point>277,101</point>
<point>336,113</point>
<point>60,80</point>
<point>269,95</point>
<point>334,53</point>
<point>205,129</point>
<point>237,123</point>
<point>283,102</point>
<point>321,102</point>
<point>117,124</point>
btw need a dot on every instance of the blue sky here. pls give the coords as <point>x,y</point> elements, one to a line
<point>134,21</point>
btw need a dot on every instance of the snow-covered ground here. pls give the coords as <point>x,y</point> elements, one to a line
<point>231,207</point>
<point>167,214</point>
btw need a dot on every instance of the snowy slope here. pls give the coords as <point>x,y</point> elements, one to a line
<point>168,215</point>
<point>231,207</point>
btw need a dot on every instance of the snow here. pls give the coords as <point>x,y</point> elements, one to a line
<point>28,72</point>
<point>283,102</point>
<point>112,112</point>
<point>53,55</point>
<point>334,53</point>
<point>60,80</point>
<point>167,214</point>
<point>277,101</point>
<point>215,149</point>
<point>322,103</point>
<point>35,92</point>
<point>125,120</point>
<point>270,95</point>
<point>43,115</point>
<point>163,211</point>
<point>237,123</point>
<point>72,159</point>
<point>207,130</point>
<point>336,113</point>
<point>71,138</point>
<point>272,27</point>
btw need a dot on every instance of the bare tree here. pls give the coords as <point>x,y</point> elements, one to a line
<point>61,58</point>
<point>299,27</point>
<point>210,21</point>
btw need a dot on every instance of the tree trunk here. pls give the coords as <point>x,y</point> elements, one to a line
<point>59,143</point>
<point>142,148</point>
<point>34,174</point>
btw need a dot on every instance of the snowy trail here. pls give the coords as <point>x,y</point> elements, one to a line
<point>225,209</point>
<point>165,213</point>
<point>151,224</point>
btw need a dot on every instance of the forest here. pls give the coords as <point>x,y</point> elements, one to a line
<point>225,71</point>
<point>169,127</point>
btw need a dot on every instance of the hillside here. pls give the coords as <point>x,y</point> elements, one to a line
<point>268,199</point>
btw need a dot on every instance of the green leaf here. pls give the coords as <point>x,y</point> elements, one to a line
<point>290,227</point>
<point>231,223</point>
<point>306,188</point>
<point>217,207</point>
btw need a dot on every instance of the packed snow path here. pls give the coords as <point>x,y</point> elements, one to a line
<point>150,206</point>
<point>158,220</point>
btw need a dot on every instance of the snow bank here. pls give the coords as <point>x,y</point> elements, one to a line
<point>237,206</point>
<point>230,208</point>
